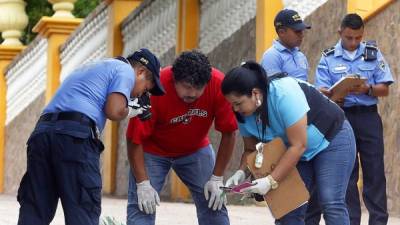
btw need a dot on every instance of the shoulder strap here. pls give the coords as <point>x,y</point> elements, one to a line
<point>328,51</point>
<point>277,76</point>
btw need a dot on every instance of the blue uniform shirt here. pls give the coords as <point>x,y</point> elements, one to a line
<point>338,64</point>
<point>279,59</point>
<point>86,89</point>
<point>285,108</point>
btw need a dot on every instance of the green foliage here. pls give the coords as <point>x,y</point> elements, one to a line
<point>109,220</point>
<point>35,9</point>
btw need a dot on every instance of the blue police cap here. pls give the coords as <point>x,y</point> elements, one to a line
<point>150,61</point>
<point>290,18</point>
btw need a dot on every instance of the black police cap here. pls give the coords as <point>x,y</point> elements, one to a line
<point>290,18</point>
<point>150,61</point>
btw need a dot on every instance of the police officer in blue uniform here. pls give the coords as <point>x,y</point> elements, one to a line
<point>64,148</point>
<point>351,56</point>
<point>284,55</point>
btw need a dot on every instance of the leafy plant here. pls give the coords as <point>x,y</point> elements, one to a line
<point>35,9</point>
<point>109,220</point>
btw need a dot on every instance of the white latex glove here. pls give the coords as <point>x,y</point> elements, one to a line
<point>135,108</point>
<point>262,186</point>
<point>147,197</point>
<point>217,197</point>
<point>237,178</point>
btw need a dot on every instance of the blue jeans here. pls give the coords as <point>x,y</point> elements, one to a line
<point>328,173</point>
<point>194,170</point>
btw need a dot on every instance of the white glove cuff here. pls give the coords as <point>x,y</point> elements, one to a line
<point>217,178</point>
<point>143,183</point>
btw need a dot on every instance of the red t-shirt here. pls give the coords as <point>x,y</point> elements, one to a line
<point>177,128</point>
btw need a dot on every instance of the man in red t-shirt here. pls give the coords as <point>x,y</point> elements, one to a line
<point>176,137</point>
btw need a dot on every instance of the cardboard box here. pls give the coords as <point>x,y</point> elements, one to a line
<point>291,192</point>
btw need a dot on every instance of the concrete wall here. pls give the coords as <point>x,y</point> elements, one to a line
<point>17,133</point>
<point>385,29</point>
<point>230,53</point>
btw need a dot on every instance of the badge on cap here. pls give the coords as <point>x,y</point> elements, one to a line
<point>296,17</point>
<point>144,61</point>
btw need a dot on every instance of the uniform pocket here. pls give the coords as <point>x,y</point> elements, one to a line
<point>90,196</point>
<point>367,70</point>
<point>72,142</point>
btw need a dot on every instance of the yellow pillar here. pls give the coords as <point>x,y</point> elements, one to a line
<point>188,28</point>
<point>7,53</point>
<point>119,10</point>
<point>56,30</point>
<point>188,25</point>
<point>367,8</point>
<point>265,30</point>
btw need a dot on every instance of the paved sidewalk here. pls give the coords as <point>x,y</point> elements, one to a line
<point>167,213</point>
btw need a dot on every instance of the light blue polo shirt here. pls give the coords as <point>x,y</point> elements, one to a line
<point>338,64</point>
<point>86,89</point>
<point>279,59</point>
<point>285,108</point>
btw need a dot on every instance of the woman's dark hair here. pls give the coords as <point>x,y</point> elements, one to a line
<point>192,67</point>
<point>242,80</point>
<point>352,21</point>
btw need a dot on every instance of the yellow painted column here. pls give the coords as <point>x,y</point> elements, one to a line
<point>7,53</point>
<point>265,30</point>
<point>118,11</point>
<point>188,25</point>
<point>56,30</point>
<point>187,38</point>
<point>367,8</point>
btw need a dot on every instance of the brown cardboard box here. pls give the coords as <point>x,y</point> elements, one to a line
<point>291,192</point>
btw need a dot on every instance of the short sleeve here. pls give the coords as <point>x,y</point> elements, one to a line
<point>291,105</point>
<point>382,72</point>
<point>224,117</point>
<point>322,76</point>
<point>271,62</point>
<point>123,80</point>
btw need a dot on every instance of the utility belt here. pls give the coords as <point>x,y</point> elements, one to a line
<point>72,116</point>
<point>361,108</point>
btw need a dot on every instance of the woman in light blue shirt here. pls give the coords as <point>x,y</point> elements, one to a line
<point>320,142</point>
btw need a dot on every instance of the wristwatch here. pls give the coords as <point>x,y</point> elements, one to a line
<point>272,181</point>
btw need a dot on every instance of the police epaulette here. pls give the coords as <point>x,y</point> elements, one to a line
<point>371,50</point>
<point>328,51</point>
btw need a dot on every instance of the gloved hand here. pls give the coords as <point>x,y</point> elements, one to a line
<point>135,108</point>
<point>217,197</point>
<point>261,186</point>
<point>237,178</point>
<point>147,197</point>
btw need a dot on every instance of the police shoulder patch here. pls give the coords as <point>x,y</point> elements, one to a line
<point>328,51</point>
<point>382,65</point>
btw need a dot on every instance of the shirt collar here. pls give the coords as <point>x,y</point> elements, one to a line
<point>280,47</point>
<point>339,51</point>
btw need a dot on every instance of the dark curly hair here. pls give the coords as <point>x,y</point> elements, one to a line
<point>192,67</point>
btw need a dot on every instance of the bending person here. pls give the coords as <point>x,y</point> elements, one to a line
<point>320,140</point>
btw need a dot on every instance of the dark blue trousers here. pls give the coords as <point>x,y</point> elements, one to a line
<point>368,130</point>
<point>63,163</point>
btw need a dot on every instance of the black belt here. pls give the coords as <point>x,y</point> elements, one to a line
<point>71,116</point>
<point>361,108</point>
